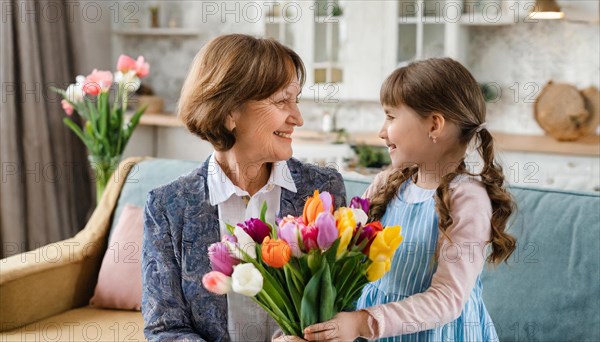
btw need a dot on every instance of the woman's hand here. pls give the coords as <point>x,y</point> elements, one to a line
<point>345,326</point>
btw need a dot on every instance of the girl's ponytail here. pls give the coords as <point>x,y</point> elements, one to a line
<point>503,244</point>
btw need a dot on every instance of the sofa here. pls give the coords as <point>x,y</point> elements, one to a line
<point>548,291</point>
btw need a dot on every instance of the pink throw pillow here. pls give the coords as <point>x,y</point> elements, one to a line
<point>120,279</point>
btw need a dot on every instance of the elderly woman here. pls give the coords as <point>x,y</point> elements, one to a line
<point>241,95</point>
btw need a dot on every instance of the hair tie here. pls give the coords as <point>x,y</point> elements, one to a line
<point>480,127</point>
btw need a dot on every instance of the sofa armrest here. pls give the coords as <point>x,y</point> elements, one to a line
<point>62,275</point>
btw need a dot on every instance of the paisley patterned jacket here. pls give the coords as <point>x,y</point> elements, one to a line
<point>179,225</point>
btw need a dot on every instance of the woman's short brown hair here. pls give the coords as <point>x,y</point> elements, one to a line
<point>227,72</point>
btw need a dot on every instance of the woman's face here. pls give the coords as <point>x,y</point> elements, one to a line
<point>263,128</point>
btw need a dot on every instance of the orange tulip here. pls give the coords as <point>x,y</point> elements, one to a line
<point>275,253</point>
<point>312,208</point>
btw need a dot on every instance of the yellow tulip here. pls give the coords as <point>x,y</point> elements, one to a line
<point>345,220</point>
<point>345,225</point>
<point>344,241</point>
<point>385,244</point>
<point>378,269</point>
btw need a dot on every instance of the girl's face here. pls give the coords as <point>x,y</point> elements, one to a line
<point>264,128</point>
<point>407,136</point>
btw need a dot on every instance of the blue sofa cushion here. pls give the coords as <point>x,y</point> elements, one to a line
<point>550,288</point>
<point>147,175</point>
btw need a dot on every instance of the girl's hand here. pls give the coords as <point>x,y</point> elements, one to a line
<point>345,326</point>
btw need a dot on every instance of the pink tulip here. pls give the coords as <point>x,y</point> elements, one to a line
<point>309,237</point>
<point>327,230</point>
<point>327,200</point>
<point>126,63</point>
<point>229,238</point>
<point>220,259</point>
<point>216,282</point>
<point>97,82</point>
<point>283,221</point>
<point>290,233</point>
<point>67,107</point>
<point>142,69</point>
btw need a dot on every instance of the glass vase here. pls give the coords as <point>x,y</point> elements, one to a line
<point>102,168</point>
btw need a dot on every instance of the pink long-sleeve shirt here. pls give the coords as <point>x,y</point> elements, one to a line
<point>461,260</point>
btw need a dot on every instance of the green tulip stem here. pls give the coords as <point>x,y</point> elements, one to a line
<point>276,312</point>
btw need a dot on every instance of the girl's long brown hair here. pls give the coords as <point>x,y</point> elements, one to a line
<point>444,86</point>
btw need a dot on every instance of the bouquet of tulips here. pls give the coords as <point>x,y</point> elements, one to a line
<point>303,270</point>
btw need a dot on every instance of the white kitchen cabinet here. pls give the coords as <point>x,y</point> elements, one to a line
<point>349,47</point>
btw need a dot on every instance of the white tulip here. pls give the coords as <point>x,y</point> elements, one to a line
<point>75,92</point>
<point>246,280</point>
<point>130,81</point>
<point>360,216</point>
<point>245,243</point>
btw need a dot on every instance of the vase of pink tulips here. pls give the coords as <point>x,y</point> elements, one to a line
<point>105,131</point>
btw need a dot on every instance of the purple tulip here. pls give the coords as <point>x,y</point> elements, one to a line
<point>328,232</point>
<point>220,259</point>
<point>290,233</point>
<point>369,232</point>
<point>360,203</point>
<point>256,228</point>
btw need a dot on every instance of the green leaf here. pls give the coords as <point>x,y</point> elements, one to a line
<point>230,228</point>
<point>293,289</point>
<point>314,260</point>
<point>263,211</point>
<point>131,125</point>
<point>77,130</point>
<point>103,113</point>
<point>327,296</point>
<point>309,311</point>
<point>355,292</point>
<point>93,114</point>
<point>329,254</point>
<point>345,275</point>
<point>94,118</point>
<point>304,269</point>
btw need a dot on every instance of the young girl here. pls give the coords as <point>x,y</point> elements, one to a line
<point>434,109</point>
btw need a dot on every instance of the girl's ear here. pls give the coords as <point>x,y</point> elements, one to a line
<point>437,124</point>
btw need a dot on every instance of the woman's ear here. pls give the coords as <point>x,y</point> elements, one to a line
<point>437,124</point>
<point>230,122</point>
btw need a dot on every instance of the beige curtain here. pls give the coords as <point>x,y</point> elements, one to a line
<point>46,191</point>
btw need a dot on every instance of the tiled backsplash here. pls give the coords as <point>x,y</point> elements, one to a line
<point>522,58</point>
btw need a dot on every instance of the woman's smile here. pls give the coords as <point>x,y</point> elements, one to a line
<point>284,135</point>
